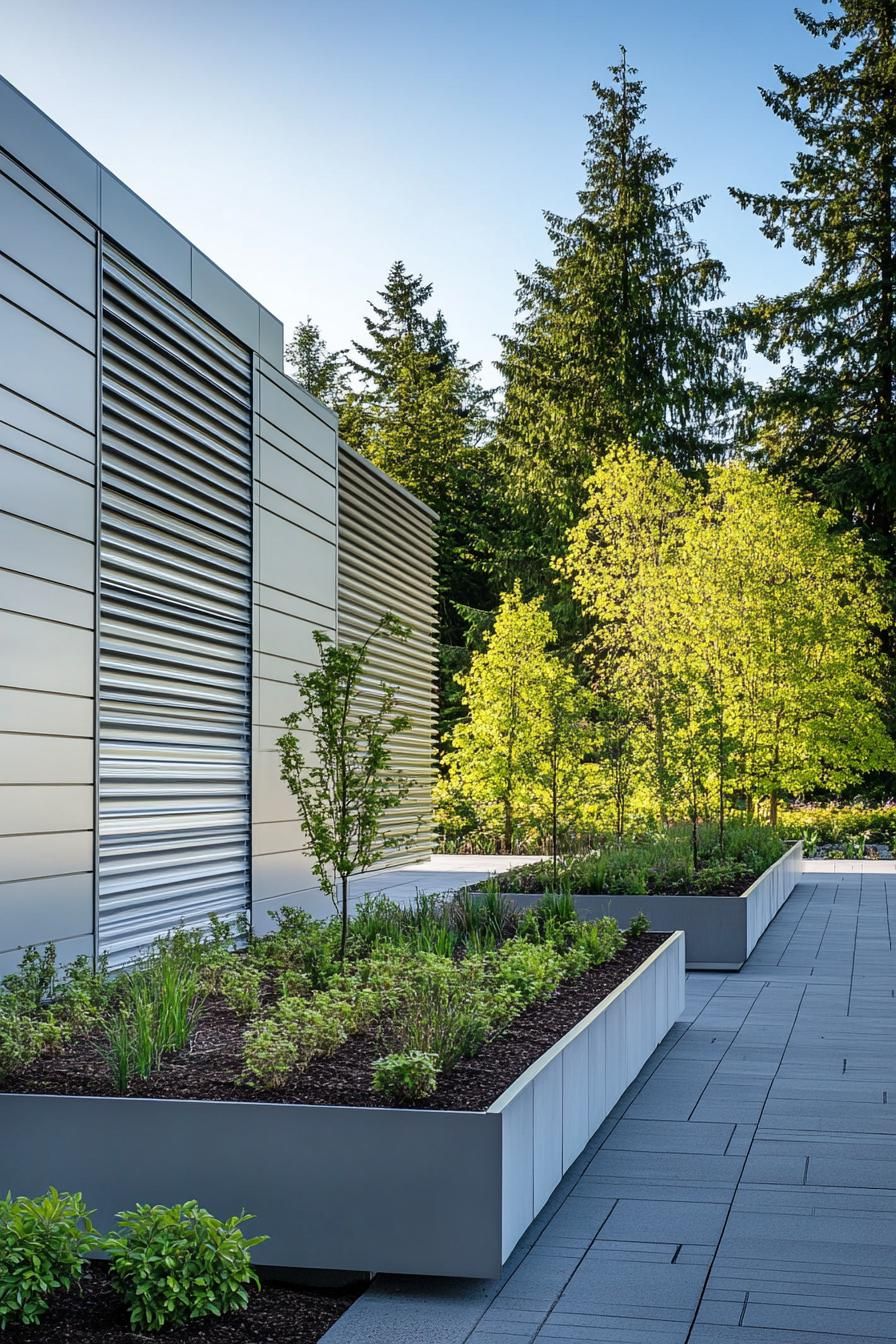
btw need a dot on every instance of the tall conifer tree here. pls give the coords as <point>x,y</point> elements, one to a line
<point>829,417</point>
<point>618,338</point>
<point>419,412</point>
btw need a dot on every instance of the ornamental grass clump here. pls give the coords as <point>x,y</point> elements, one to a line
<point>155,1008</point>
<point>177,1264</point>
<point>43,1247</point>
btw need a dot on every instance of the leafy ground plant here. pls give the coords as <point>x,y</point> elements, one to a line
<point>176,1264</point>
<point>43,1246</point>
<point>406,1077</point>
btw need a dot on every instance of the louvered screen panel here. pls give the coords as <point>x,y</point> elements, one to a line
<point>387,562</point>
<point>175,615</point>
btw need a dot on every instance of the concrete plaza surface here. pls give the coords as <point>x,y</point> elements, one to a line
<point>743,1190</point>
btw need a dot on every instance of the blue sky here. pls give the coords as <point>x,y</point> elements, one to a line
<point>305,146</point>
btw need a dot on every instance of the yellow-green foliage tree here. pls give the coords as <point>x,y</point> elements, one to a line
<point>787,610</point>
<point>516,758</point>
<point>738,628</point>
<point>620,557</point>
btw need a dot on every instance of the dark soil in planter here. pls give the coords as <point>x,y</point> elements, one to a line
<point>209,1068</point>
<point>96,1315</point>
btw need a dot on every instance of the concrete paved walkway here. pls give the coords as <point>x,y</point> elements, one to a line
<point>743,1191</point>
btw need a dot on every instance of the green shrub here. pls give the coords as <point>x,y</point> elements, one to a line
<point>639,925</point>
<point>300,943</point>
<point>531,971</point>
<point>177,1264</point>
<point>23,1037</point>
<point>31,986</point>
<point>239,985</point>
<point>83,995</point>
<point>406,1077</point>
<point>442,1008</point>
<point>297,1031</point>
<point>719,874</point>
<point>43,1245</point>
<point>597,941</point>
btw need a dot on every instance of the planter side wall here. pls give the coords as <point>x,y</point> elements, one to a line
<point>718,929</point>
<point>550,1114</point>
<point>413,1192</point>
<point>769,892</point>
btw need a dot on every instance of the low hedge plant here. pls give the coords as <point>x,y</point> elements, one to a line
<point>43,1248</point>
<point>176,1264</point>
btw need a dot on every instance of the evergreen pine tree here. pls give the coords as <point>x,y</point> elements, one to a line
<point>321,371</point>
<point>829,418</point>
<point>419,412</point>
<point>617,340</point>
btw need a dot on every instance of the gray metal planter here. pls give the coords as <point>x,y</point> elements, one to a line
<point>342,1187</point>
<point>720,931</point>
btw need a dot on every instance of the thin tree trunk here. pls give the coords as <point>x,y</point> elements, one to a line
<point>773,808</point>
<point>554,818</point>
<point>344,938</point>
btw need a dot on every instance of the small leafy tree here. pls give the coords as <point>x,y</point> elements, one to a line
<point>344,792</point>
<point>515,745</point>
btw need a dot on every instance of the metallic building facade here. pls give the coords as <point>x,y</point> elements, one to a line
<point>177,517</point>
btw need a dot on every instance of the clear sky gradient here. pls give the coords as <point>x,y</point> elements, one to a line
<point>305,146</point>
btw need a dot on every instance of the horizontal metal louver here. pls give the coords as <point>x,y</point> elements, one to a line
<point>387,562</point>
<point>175,615</point>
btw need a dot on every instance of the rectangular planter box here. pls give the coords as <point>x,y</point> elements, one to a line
<point>342,1187</point>
<point>720,931</point>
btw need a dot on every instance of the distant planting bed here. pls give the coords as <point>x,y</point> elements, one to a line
<point>661,864</point>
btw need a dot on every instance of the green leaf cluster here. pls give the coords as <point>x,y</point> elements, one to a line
<point>43,1246</point>
<point>176,1264</point>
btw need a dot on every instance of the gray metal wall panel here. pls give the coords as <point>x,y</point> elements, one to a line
<point>387,562</point>
<point>46,553</point>
<point>38,808</point>
<point>34,491</point>
<point>62,602</point>
<point>53,157</point>
<point>37,142</point>
<point>46,656</point>
<point>36,238</point>
<point>295,594</point>
<point>38,363</point>
<point>46,910</point>
<point>175,615</point>
<point>24,290</point>
<point>18,411</point>
<point>34,758</point>
<point>47,562</point>
<point>27,711</point>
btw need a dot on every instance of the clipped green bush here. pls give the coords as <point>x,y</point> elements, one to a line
<point>532,971</point>
<point>406,1077</point>
<point>178,1263</point>
<point>43,1246</point>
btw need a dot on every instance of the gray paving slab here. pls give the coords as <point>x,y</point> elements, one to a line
<point>742,1191</point>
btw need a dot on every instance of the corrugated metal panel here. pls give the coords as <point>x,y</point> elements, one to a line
<point>387,562</point>
<point>175,615</point>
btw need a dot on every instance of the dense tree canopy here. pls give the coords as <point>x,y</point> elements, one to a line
<point>828,418</point>
<point>618,338</point>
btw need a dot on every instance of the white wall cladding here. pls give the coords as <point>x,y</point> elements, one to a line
<point>175,614</point>
<point>47,504</point>
<point>387,562</point>
<point>295,594</point>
